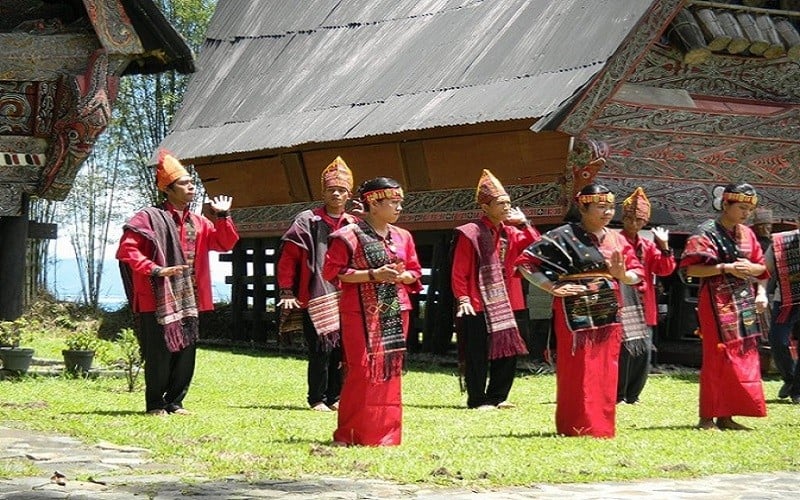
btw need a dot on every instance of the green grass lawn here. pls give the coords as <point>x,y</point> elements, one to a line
<point>250,417</point>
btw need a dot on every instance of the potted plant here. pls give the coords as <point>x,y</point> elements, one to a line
<point>82,345</point>
<point>15,359</point>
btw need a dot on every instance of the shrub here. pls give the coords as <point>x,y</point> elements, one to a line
<point>12,333</point>
<point>113,322</point>
<point>131,356</point>
<point>84,338</point>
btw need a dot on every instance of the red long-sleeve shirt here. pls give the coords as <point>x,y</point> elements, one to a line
<point>134,250</point>
<point>293,272</point>
<point>655,263</point>
<point>464,279</point>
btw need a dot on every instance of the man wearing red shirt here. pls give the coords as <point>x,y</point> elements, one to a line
<point>309,301</point>
<point>489,294</point>
<point>657,259</point>
<point>163,256</point>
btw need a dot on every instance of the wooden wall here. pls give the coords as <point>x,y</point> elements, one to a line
<point>252,182</point>
<point>450,158</point>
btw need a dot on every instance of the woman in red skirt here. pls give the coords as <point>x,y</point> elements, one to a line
<point>376,264</point>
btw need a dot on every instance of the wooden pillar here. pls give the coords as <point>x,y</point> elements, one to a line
<point>13,248</point>
<point>413,343</point>
<point>423,243</point>
<point>439,303</point>
<point>265,293</point>
<point>259,310</point>
<point>238,289</point>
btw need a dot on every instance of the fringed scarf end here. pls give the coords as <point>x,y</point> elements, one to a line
<point>507,344</point>
<point>590,336</point>
<point>179,335</point>
<point>386,365</point>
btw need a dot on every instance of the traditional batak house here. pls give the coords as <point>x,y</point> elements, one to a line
<point>546,94</point>
<point>713,99</point>
<point>59,71</point>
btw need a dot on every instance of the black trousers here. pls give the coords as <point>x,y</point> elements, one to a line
<point>324,368</point>
<point>633,372</point>
<point>540,339</point>
<point>167,375</point>
<point>477,367</point>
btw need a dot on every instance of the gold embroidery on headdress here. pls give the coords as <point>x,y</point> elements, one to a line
<point>380,194</point>
<point>596,198</point>
<point>740,198</point>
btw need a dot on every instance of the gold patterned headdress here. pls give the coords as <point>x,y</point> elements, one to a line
<point>382,193</point>
<point>337,174</point>
<point>637,205</point>
<point>752,199</point>
<point>488,188</point>
<point>595,198</point>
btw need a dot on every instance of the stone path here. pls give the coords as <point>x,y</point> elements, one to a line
<point>106,471</point>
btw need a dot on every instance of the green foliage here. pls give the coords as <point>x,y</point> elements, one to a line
<point>131,356</point>
<point>146,104</point>
<point>14,467</point>
<point>217,325</point>
<point>12,333</point>
<point>250,417</point>
<point>60,317</point>
<point>97,200</point>
<point>112,322</point>
<point>190,18</point>
<point>84,338</point>
<point>9,334</point>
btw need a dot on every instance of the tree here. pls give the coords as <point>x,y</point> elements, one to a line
<point>44,211</point>
<point>95,202</point>
<point>147,103</point>
<point>116,178</point>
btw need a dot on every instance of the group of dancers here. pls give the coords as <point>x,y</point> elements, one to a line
<point>345,280</point>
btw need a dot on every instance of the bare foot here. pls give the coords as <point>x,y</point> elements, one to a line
<point>707,424</point>
<point>727,424</point>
